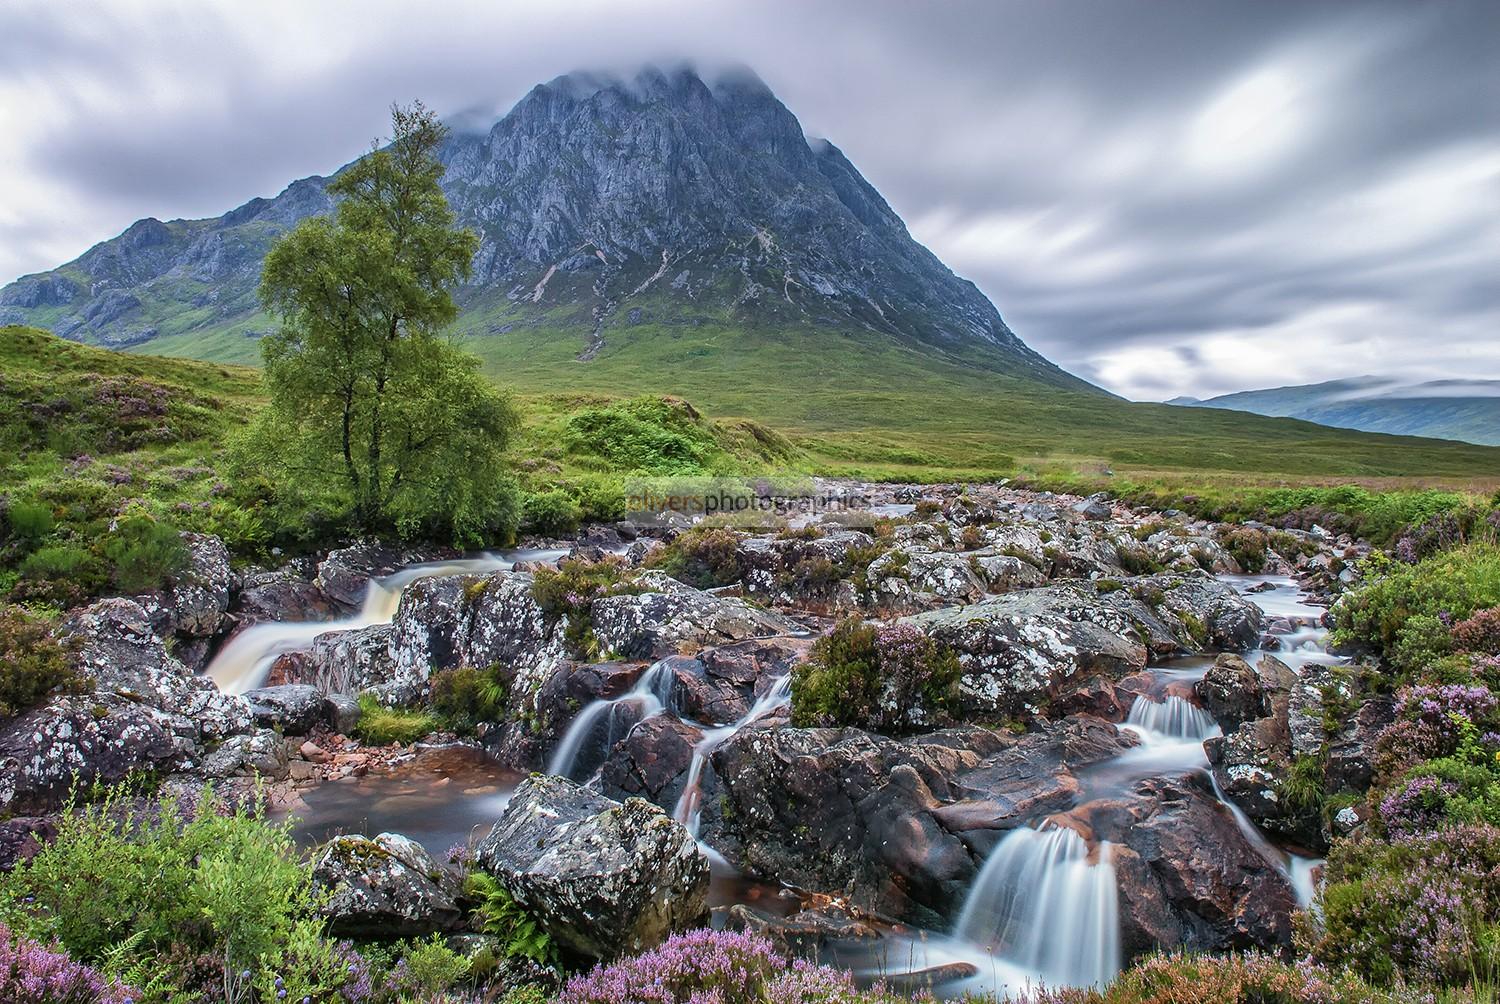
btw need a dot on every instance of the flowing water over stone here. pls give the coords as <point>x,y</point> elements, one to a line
<point>1047,905</point>
<point>596,729</point>
<point>243,663</point>
<point>690,806</point>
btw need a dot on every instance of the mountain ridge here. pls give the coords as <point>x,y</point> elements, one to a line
<point>600,202</point>
<point>1462,410</point>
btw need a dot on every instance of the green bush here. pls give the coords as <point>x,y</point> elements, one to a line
<point>221,883</point>
<point>146,554</point>
<point>380,725</point>
<point>888,679</point>
<point>568,593</point>
<point>36,663</point>
<point>466,696</point>
<point>649,435</point>
<point>701,557</point>
<point>1398,609</point>
<point>29,521</point>
<point>552,513</point>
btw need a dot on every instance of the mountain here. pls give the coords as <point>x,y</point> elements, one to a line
<point>1465,410</point>
<point>670,235</point>
<point>599,202</point>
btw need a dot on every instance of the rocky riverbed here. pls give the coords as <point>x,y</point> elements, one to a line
<point>1131,702</point>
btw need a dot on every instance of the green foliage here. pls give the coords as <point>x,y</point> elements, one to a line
<point>36,663</point>
<point>568,593</point>
<point>1247,546</point>
<point>703,557</point>
<point>373,415</point>
<point>29,521</point>
<point>893,679</point>
<point>552,513</point>
<point>1398,608</point>
<point>218,882</point>
<point>649,435</point>
<point>427,969</point>
<point>146,555</point>
<point>464,696</point>
<point>501,916</point>
<point>380,725</point>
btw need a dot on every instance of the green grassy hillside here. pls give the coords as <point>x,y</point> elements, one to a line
<point>866,405</point>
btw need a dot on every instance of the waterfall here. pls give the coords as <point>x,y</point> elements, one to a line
<point>689,809</point>
<point>608,720</point>
<point>245,661</point>
<point>1039,904</point>
<point>1173,719</point>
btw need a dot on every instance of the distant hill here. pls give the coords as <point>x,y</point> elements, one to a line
<point>1465,410</point>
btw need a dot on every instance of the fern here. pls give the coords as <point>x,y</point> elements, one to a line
<point>501,916</point>
<point>126,965</point>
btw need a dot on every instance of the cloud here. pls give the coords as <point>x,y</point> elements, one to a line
<point>1163,196</point>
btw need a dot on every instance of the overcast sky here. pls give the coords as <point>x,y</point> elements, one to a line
<point>1164,197</point>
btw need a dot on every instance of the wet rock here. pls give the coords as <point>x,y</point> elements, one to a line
<point>388,887</point>
<point>1249,764</point>
<point>293,708</point>
<point>1188,876</point>
<point>119,650</point>
<point>83,740</point>
<point>281,596</point>
<point>344,575</point>
<point>601,877</point>
<point>1209,613</point>
<point>651,761</point>
<point>669,615</point>
<point>1231,692</point>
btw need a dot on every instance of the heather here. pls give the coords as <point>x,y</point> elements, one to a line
<point>717,967</point>
<point>37,665</point>
<point>32,973</point>
<point>889,678</point>
<point>1234,979</point>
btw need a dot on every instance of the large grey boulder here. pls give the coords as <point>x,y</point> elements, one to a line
<point>946,576</point>
<point>666,615</point>
<point>1232,692</point>
<point>356,660</point>
<point>294,708</point>
<point>80,741</point>
<point>388,887</point>
<point>603,878</point>
<point>124,656</point>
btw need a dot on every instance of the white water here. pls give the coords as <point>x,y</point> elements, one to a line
<point>689,809</point>
<point>608,720</point>
<point>1173,719</point>
<point>244,663</point>
<point>1041,906</point>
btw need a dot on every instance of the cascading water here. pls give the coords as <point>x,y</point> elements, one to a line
<point>244,663</point>
<point>606,721</point>
<point>1172,719</point>
<point>689,809</point>
<point>1041,905</point>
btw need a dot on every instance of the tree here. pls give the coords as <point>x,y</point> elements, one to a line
<point>373,412</point>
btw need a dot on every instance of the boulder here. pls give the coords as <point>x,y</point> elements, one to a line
<point>342,713</point>
<point>947,577</point>
<point>669,615</point>
<point>281,596</point>
<point>123,655</point>
<point>602,878</point>
<point>21,838</point>
<point>388,887</point>
<point>260,754</point>
<point>294,708</point>
<point>356,660</point>
<point>197,603</point>
<point>651,761</point>
<point>1232,692</point>
<point>80,741</point>
<point>1351,749</point>
<point>344,574</point>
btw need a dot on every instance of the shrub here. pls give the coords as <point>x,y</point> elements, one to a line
<point>703,558</point>
<point>33,974</point>
<point>1247,546</point>
<point>1479,633</point>
<point>568,595</point>
<point>1234,979</point>
<point>425,970</point>
<point>466,696</point>
<point>722,967</point>
<point>648,435</point>
<point>146,554</point>
<point>888,679</point>
<point>212,881</point>
<point>29,521</point>
<point>1401,608</point>
<point>1413,908</point>
<point>380,725</point>
<point>552,513</point>
<point>36,663</point>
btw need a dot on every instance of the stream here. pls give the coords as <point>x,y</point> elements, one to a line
<point>1043,907</point>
